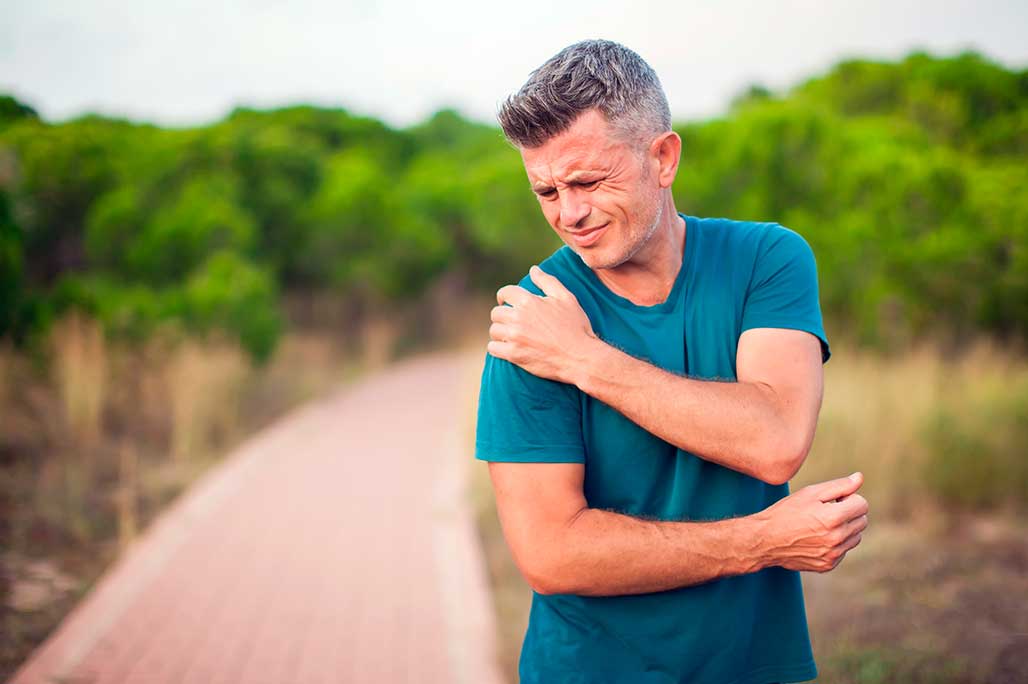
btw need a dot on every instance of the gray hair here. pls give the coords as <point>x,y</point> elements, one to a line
<point>591,74</point>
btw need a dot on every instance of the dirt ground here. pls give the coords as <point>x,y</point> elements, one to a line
<point>941,599</point>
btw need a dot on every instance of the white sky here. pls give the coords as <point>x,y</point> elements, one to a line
<point>185,62</point>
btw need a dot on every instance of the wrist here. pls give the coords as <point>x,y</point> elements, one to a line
<point>757,540</point>
<point>587,362</point>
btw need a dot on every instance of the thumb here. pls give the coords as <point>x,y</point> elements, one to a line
<point>837,489</point>
<point>549,284</point>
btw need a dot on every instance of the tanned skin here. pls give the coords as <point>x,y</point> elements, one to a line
<point>610,200</point>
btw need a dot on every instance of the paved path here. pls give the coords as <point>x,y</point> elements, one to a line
<point>336,546</point>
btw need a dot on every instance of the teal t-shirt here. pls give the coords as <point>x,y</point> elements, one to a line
<point>749,629</point>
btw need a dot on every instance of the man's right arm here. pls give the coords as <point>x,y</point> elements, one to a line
<point>564,547</point>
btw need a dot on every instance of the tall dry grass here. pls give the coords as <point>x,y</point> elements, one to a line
<point>905,422</point>
<point>203,386</point>
<point>80,373</point>
<point>6,361</point>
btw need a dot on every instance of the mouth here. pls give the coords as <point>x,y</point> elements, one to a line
<point>587,237</point>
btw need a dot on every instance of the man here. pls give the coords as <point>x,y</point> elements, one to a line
<point>647,395</point>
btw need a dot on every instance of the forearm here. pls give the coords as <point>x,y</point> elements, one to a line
<point>736,425</point>
<point>602,553</point>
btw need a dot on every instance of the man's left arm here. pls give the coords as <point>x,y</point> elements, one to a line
<point>761,425</point>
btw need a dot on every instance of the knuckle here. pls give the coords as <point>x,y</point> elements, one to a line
<point>828,523</point>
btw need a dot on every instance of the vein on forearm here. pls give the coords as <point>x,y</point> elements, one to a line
<point>609,553</point>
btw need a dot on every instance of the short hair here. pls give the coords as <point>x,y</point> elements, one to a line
<point>590,74</point>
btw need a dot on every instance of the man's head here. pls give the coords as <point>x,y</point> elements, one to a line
<point>594,131</point>
<point>592,74</point>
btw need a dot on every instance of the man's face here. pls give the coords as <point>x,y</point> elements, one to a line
<point>597,192</point>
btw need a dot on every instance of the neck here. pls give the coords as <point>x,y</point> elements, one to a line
<point>648,277</point>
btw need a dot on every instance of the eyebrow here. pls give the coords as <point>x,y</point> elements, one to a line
<point>573,177</point>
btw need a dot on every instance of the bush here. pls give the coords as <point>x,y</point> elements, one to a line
<point>977,452</point>
<point>228,293</point>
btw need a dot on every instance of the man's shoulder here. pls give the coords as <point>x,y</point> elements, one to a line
<point>741,231</point>
<point>564,264</point>
<point>744,242</point>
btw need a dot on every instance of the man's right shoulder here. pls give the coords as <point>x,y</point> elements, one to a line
<point>523,418</point>
<point>564,265</point>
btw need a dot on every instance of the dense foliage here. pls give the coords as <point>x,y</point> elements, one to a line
<point>907,179</point>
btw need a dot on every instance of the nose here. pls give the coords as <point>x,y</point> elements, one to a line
<point>573,208</point>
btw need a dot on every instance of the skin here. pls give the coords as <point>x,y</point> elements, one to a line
<point>588,178</point>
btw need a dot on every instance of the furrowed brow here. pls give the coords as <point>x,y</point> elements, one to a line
<point>579,176</point>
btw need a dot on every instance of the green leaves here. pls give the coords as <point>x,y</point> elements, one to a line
<point>907,179</point>
<point>902,177</point>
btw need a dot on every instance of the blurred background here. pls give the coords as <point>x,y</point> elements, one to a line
<point>212,214</point>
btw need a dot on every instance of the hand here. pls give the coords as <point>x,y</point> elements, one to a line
<point>815,527</point>
<point>547,336</point>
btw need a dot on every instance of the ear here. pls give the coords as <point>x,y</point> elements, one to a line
<point>666,148</point>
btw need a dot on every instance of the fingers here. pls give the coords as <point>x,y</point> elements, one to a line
<point>550,285</point>
<point>500,332</point>
<point>851,507</point>
<point>854,526</point>
<point>837,489</point>
<point>832,559</point>
<point>849,536</point>
<point>501,350</point>
<point>502,314</point>
<point>513,295</point>
<point>852,542</point>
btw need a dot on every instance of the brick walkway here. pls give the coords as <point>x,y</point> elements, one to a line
<point>336,546</point>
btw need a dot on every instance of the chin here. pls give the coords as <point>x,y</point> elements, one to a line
<point>597,260</point>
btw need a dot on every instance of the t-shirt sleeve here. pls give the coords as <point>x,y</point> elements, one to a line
<point>783,291</point>
<point>523,418</point>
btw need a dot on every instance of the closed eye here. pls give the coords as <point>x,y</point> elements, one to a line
<point>551,193</point>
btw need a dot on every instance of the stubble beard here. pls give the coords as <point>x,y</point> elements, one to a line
<point>636,246</point>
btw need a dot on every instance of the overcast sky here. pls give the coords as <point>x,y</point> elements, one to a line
<point>185,62</point>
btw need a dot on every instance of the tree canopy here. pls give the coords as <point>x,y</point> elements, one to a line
<point>906,178</point>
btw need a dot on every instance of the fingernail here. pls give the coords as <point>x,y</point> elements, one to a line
<point>855,475</point>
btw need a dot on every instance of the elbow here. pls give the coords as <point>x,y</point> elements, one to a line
<point>553,567</point>
<point>778,475</point>
<point>787,457</point>
<point>535,571</point>
<point>548,578</point>
<point>544,583</point>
